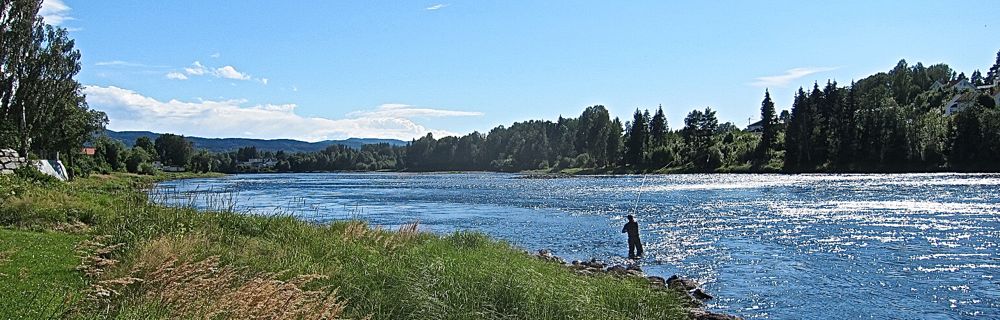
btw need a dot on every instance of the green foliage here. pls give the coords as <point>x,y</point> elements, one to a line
<point>147,169</point>
<point>146,144</point>
<point>136,157</point>
<point>636,139</point>
<point>891,122</point>
<point>42,105</point>
<point>769,126</point>
<point>30,173</point>
<point>82,165</point>
<point>173,150</point>
<point>109,154</point>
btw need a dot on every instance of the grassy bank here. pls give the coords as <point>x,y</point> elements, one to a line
<point>147,261</point>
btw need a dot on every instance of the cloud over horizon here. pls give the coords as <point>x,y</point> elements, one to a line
<point>789,76</point>
<point>234,118</point>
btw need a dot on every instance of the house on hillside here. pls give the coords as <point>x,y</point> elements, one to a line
<point>960,101</point>
<point>958,85</point>
<point>962,85</point>
<point>756,127</point>
<point>88,151</point>
<point>937,85</point>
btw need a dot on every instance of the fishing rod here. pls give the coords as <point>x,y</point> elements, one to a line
<point>638,195</point>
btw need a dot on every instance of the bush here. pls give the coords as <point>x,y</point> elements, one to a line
<point>82,166</point>
<point>136,157</point>
<point>30,173</point>
<point>662,156</point>
<point>147,168</point>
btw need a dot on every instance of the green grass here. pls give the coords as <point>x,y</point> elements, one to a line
<point>37,273</point>
<point>381,274</point>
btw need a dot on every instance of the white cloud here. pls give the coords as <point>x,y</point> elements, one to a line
<point>118,63</point>
<point>196,69</point>
<point>408,111</point>
<point>229,72</point>
<point>129,110</point>
<point>215,55</point>
<point>436,7</point>
<point>789,76</point>
<point>54,12</point>
<point>176,76</point>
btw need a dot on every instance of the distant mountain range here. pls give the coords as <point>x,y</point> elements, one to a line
<point>232,144</point>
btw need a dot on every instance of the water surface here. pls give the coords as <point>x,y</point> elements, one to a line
<point>902,246</point>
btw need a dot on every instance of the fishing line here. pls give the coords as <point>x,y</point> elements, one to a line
<point>635,208</point>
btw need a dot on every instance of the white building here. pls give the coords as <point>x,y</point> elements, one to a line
<point>960,101</point>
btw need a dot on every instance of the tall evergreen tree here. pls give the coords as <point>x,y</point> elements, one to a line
<point>658,127</point>
<point>769,126</point>
<point>993,75</point>
<point>977,78</point>
<point>635,141</point>
<point>797,133</point>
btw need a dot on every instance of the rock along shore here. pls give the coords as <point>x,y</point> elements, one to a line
<point>688,288</point>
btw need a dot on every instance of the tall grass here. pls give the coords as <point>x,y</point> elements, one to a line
<point>180,262</point>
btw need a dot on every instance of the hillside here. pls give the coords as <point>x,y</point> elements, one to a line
<point>231,144</point>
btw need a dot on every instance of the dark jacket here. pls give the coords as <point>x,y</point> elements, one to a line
<point>632,228</point>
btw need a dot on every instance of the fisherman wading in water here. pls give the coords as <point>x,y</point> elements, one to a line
<point>634,245</point>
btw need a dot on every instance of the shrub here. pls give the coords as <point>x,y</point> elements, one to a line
<point>30,173</point>
<point>147,169</point>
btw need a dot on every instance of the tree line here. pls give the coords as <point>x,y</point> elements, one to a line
<point>889,121</point>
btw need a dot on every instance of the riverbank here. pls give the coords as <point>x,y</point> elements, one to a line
<point>136,258</point>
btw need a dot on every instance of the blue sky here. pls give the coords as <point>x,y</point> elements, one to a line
<point>316,70</point>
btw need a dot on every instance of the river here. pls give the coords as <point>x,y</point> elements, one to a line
<point>900,246</point>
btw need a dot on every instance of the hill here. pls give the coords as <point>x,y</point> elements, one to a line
<point>231,144</point>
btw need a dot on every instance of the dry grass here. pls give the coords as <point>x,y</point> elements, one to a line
<point>207,289</point>
<point>358,231</point>
<point>95,256</point>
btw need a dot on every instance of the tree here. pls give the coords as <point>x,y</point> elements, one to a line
<point>615,142</point>
<point>18,21</point>
<point>146,144</point>
<point>635,140</point>
<point>136,158</point>
<point>699,127</point>
<point>769,125</point>
<point>173,150</point>
<point>42,108</point>
<point>591,134</point>
<point>977,78</point>
<point>658,127</point>
<point>110,153</point>
<point>202,161</point>
<point>244,154</point>
<point>993,75</point>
